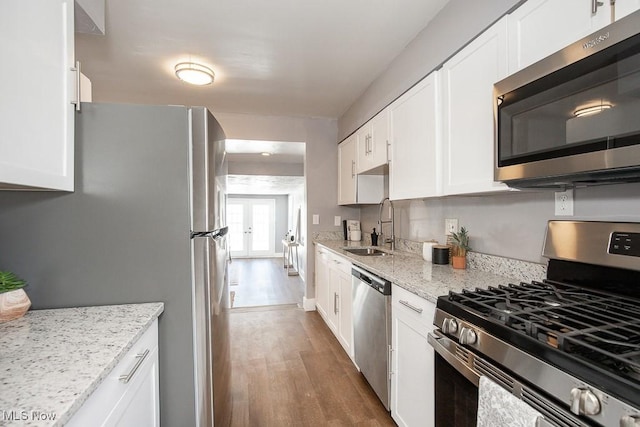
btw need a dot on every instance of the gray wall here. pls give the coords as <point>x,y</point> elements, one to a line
<point>456,25</point>
<point>281,214</point>
<point>509,224</point>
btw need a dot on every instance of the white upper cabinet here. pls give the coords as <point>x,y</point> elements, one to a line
<point>353,188</point>
<point>347,171</point>
<point>373,138</point>
<point>625,7</point>
<point>467,113</point>
<point>38,86</point>
<point>415,160</point>
<point>539,28</point>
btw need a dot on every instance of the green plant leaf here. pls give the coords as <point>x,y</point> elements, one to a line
<point>10,282</point>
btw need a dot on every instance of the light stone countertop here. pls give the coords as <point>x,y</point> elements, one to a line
<point>411,272</point>
<point>52,360</point>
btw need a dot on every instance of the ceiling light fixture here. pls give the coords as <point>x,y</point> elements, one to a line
<point>594,109</point>
<point>195,74</point>
<point>264,153</point>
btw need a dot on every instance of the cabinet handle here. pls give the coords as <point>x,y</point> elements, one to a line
<point>412,307</point>
<point>390,362</point>
<point>127,377</point>
<point>353,168</point>
<point>594,6</point>
<point>335,303</point>
<point>77,71</point>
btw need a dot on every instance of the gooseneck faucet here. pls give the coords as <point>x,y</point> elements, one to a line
<point>392,239</point>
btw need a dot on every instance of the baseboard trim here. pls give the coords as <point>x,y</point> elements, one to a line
<point>309,304</point>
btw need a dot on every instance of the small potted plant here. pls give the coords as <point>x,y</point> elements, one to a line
<point>460,247</point>
<point>14,302</point>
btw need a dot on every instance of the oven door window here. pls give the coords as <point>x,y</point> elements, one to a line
<point>456,397</point>
<point>588,106</point>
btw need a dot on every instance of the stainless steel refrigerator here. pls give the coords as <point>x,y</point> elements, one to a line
<point>146,223</point>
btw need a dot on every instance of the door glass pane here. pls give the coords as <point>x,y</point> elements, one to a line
<point>235,214</point>
<point>260,228</point>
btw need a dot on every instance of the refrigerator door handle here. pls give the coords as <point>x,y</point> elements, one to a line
<point>215,234</point>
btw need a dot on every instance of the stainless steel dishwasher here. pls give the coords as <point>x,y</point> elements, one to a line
<point>372,330</point>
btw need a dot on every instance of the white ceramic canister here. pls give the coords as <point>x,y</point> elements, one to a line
<point>427,250</point>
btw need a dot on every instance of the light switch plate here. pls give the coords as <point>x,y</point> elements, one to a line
<point>337,220</point>
<point>316,219</point>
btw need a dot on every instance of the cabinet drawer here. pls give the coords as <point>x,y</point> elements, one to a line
<point>109,399</point>
<point>412,305</point>
<point>339,263</point>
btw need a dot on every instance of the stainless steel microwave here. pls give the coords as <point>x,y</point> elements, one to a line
<point>573,118</point>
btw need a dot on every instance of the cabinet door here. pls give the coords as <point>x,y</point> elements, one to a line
<point>378,140</point>
<point>415,160</point>
<point>345,329</point>
<point>412,380</point>
<point>363,137</point>
<point>347,171</point>
<point>467,98</point>
<point>322,282</point>
<point>140,406</point>
<point>333,306</point>
<point>539,28</point>
<point>38,85</point>
<point>625,7</point>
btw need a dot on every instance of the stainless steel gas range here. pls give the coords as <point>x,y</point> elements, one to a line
<point>568,346</point>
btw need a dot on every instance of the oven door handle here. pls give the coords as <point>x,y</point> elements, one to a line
<point>439,342</point>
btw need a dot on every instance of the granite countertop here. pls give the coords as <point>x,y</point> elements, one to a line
<point>411,272</point>
<point>52,360</point>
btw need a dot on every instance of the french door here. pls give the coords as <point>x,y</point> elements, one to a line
<point>251,227</point>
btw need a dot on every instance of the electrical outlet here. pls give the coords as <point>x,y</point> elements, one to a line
<point>337,220</point>
<point>316,219</point>
<point>564,203</point>
<point>450,226</point>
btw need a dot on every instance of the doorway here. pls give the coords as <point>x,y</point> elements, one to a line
<point>251,227</point>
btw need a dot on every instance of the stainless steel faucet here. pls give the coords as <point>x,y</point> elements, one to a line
<point>392,239</point>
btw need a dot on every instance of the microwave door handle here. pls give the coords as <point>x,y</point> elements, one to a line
<point>457,364</point>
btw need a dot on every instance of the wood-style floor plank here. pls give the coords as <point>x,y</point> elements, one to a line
<point>261,282</point>
<point>289,370</point>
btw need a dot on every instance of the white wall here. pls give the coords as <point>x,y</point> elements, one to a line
<point>321,169</point>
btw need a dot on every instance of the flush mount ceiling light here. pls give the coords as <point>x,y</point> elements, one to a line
<point>264,153</point>
<point>594,109</point>
<point>195,74</point>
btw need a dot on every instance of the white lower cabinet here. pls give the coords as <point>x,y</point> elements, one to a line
<point>334,295</point>
<point>129,395</point>
<point>412,379</point>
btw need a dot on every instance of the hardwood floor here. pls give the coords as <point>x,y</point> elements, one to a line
<point>263,281</point>
<point>289,370</point>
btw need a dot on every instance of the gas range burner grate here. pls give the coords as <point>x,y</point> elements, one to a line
<point>599,327</point>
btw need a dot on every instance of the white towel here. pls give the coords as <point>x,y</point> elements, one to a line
<point>499,408</point>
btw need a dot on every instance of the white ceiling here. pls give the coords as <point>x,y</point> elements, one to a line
<point>262,184</point>
<point>278,57</point>
<point>240,150</point>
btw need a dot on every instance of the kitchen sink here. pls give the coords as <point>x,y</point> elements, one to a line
<point>366,251</point>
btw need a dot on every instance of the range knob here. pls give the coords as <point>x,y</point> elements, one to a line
<point>468,336</point>
<point>630,421</point>
<point>450,326</point>
<point>584,402</point>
